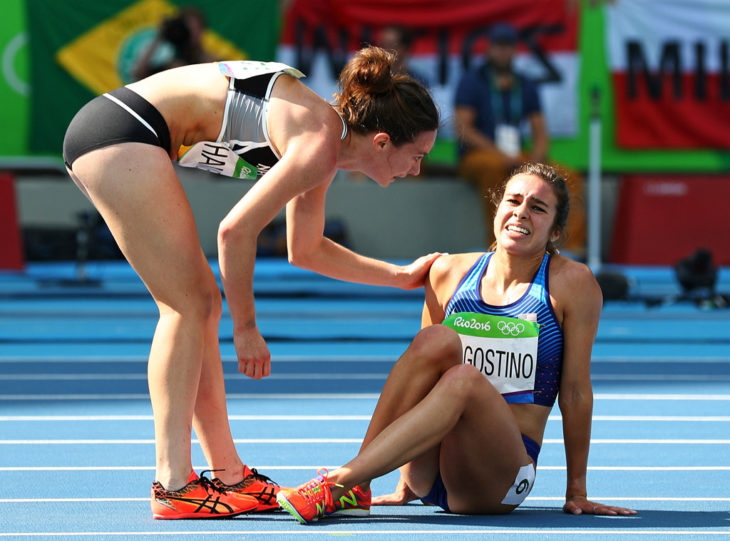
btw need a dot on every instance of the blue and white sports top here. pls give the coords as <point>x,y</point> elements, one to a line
<point>536,300</point>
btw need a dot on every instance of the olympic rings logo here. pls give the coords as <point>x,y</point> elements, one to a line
<point>510,327</point>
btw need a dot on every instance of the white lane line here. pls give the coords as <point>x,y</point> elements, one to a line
<point>146,397</point>
<point>281,441</point>
<point>349,418</point>
<point>699,397</point>
<point>270,441</point>
<point>662,397</point>
<point>529,499</point>
<point>334,358</point>
<point>146,468</point>
<point>659,377</point>
<point>106,418</point>
<point>143,377</point>
<point>352,376</point>
<point>281,534</point>
<point>652,418</point>
<point>332,467</point>
<point>274,358</point>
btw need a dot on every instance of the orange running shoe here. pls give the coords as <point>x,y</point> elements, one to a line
<point>200,498</point>
<point>256,485</point>
<point>308,502</point>
<point>355,503</point>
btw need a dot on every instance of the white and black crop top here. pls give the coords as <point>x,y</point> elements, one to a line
<point>243,148</point>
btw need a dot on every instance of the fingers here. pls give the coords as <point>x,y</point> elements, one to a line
<point>610,510</point>
<point>387,499</point>
<point>417,271</point>
<point>254,358</point>
<point>622,511</point>
<point>592,508</point>
<point>603,510</point>
<point>255,369</point>
<point>430,258</point>
<point>390,499</point>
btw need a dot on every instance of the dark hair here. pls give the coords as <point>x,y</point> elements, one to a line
<point>372,98</point>
<point>557,182</point>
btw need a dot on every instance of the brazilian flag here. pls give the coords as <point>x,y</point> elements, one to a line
<point>82,48</point>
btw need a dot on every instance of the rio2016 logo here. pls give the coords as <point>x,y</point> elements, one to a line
<point>472,324</point>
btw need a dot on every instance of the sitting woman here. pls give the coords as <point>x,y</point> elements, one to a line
<point>463,411</point>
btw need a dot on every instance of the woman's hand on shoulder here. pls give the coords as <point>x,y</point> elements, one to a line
<point>443,278</point>
<point>450,268</point>
<point>414,275</point>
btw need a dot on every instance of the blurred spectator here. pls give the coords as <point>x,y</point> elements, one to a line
<point>179,41</point>
<point>398,40</point>
<point>492,104</point>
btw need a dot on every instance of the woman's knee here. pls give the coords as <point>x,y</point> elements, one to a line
<point>436,345</point>
<point>201,300</point>
<point>463,380</point>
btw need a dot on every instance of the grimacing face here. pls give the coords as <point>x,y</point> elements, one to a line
<point>525,217</point>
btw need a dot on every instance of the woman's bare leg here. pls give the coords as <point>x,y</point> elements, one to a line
<point>136,190</point>
<point>211,414</point>
<point>480,447</point>
<point>432,352</point>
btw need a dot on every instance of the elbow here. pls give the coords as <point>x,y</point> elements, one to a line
<point>574,392</point>
<point>304,252</point>
<point>575,397</point>
<point>294,259</point>
<point>299,256</point>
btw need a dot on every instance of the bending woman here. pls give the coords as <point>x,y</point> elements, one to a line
<point>249,120</point>
<point>464,423</point>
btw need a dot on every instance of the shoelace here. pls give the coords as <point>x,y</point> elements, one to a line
<point>314,491</point>
<point>208,483</point>
<point>260,477</point>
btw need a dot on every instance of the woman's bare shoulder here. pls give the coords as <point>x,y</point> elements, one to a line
<point>573,282</point>
<point>566,271</point>
<point>298,112</point>
<point>448,270</point>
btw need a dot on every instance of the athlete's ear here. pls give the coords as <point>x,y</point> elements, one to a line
<point>555,235</point>
<point>381,140</point>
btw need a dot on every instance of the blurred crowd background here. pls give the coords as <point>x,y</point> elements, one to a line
<point>633,101</point>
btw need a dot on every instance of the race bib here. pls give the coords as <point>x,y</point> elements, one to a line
<point>216,158</point>
<point>522,486</point>
<point>504,349</point>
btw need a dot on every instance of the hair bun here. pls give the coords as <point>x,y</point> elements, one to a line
<point>372,98</point>
<point>371,71</point>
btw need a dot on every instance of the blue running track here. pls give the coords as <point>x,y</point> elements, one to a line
<point>76,434</point>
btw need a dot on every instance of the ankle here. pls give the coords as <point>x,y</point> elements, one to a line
<point>229,476</point>
<point>340,485</point>
<point>171,482</point>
